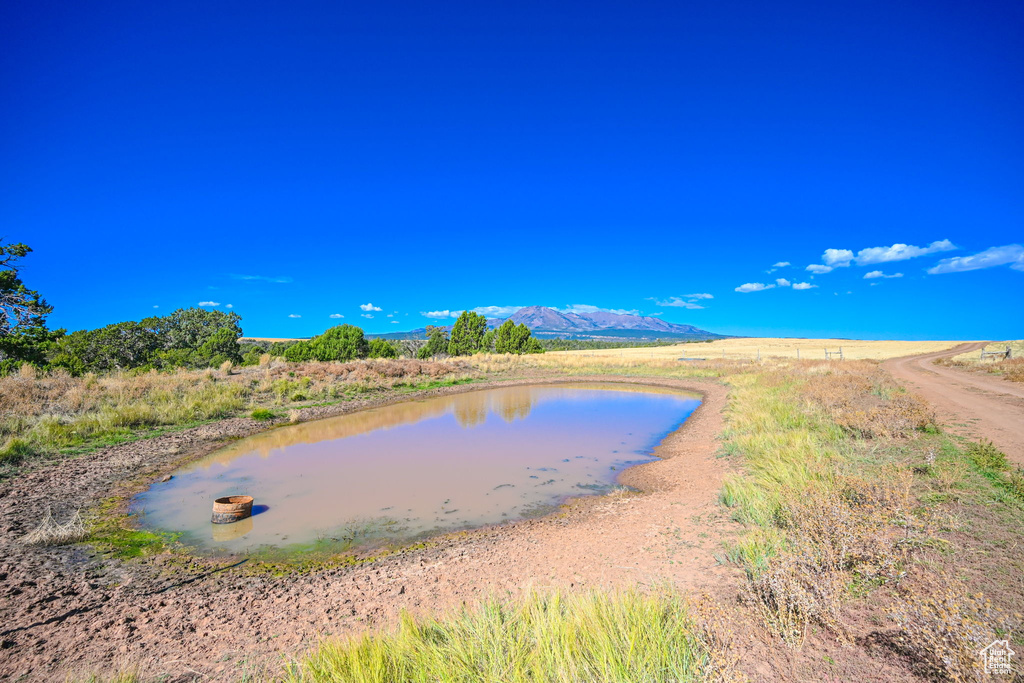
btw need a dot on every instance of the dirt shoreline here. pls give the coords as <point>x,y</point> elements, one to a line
<point>70,610</point>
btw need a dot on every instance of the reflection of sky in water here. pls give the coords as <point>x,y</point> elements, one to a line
<point>415,468</point>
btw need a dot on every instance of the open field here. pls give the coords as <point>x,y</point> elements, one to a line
<point>812,521</point>
<point>748,348</point>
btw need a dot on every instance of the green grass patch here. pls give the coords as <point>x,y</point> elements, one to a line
<point>543,638</point>
<point>986,456</point>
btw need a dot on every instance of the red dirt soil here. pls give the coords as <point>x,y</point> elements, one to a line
<point>969,404</point>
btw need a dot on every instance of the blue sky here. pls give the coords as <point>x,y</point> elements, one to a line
<point>307,160</point>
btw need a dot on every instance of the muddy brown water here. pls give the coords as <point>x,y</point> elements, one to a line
<point>416,469</point>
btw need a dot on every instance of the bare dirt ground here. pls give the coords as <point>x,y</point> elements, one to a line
<point>71,611</point>
<point>969,404</point>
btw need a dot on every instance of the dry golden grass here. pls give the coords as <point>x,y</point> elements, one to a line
<point>1016,348</point>
<point>45,413</point>
<point>1011,368</point>
<point>748,347</point>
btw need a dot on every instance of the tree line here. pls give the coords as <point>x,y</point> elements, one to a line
<point>470,335</point>
<point>200,338</point>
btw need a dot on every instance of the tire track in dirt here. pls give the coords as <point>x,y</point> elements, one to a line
<point>969,404</point>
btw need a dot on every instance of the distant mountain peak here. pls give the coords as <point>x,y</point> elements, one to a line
<point>548,322</point>
<point>551,322</point>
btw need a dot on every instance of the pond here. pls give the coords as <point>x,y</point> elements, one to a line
<point>419,468</point>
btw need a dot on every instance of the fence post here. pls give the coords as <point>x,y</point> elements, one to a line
<point>798,353</point>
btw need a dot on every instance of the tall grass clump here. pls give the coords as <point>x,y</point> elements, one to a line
<point>553,638</point>
<point>52,532</point>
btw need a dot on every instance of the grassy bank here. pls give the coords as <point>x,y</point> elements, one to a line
<point>53,413</point>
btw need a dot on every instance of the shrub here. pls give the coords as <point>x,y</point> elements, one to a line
<point>382,348</point>
<point>344,342</point>
<point>437,343</point>
<point>1015,482</point>
<point>946,631</point>
<point>985,455</point>
<point>262,414</point>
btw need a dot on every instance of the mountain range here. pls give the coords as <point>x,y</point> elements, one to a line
<point>546,322</point>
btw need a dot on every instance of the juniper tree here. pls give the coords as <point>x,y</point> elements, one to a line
<point>467,334</point>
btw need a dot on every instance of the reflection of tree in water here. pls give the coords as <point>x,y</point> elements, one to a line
<point>329,429</point>
<point>514,403</point>
<point>471,409</point>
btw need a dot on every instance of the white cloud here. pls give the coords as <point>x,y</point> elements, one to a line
<point>782,282</point>
<point>754,287</point>
<point>496,311</point>
<point>819,269</point>
<point>336,315</point>
<point>782,264</point>
<point>803,285</point>
<point>437,314</point>
<point>678,302</point>
<point>366,315</point>
<point>369,307</point>
<point>877,274</point>
<point>587,308</point>
<point>228,306</point>
<point>391,315</point>
<point>704,295</point>
<point>394,322</point>
<point>265,278</point>
<point>1010,254</point>
<point>156,307</point>
<point>208,303</point>
<point>837,258</point>
<point>900,252</point>
<point>294,315</point>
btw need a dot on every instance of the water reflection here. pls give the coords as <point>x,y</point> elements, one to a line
<point>420,467</point>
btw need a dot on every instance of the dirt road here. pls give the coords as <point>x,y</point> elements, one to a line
<point>974,405</point>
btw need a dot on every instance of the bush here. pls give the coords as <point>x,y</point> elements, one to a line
<point>947,630</point>
<point>985,455</point>
<point>382,348</point>
<point>344,342</point>
<point>1015,482</point>
<point>262,414</point>
<point>437,343</point>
